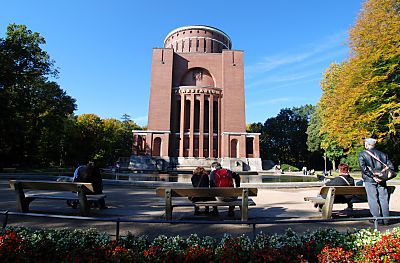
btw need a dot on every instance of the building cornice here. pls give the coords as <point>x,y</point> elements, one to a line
<point>242,133</point>
<point>198,90</point>
<point>146,132</point>
<point>198,27</point>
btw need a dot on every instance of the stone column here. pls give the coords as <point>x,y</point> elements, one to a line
<point>256,147</point>
<point>191,129</point>
<point>201,126</point>
<point>182,126</point>
<point>172,138</point>
<point>211,126</point>
<point>149,144</point>
<point>135,147</point>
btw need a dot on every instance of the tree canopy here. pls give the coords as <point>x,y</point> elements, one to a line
<point>283,138</point>
<point>361,95</point>
<point>37,124</point>
<point>33,109</point>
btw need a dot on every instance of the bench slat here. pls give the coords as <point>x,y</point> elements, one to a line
<point>66,196</point>
<point>350,190</point>
<point>205,192</point>
<point>51,185</point>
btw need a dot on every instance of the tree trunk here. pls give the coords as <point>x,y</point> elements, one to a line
<point>333,165</point>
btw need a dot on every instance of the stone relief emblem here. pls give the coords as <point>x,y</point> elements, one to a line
<point>198,75</point>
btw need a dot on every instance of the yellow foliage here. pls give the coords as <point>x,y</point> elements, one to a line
<point>361,96</point>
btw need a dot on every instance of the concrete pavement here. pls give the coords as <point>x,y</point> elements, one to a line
<point>140,202</point>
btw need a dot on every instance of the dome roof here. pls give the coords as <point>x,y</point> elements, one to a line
<point>199,27</point>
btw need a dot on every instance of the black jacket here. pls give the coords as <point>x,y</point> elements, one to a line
<point>365,160</point>
<point>200,180</point>
<point>338,181</point>
<point>234,175</point>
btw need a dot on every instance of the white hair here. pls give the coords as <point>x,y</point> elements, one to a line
<point>369,143</point>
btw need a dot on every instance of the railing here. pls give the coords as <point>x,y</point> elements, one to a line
<point>119,220</point>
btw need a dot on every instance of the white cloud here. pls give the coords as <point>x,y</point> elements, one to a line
<point>284,78</point>
<point>270,63</point>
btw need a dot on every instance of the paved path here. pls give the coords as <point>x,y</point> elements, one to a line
<point>132,202</point>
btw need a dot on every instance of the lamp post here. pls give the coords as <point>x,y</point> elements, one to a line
<point>324,162</point>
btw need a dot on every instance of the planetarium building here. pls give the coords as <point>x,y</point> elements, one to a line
<point>197,104</point>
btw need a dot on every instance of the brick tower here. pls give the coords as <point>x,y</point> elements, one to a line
<point>197,107</point>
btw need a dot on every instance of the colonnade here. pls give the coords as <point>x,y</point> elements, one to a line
<point>197,122</point>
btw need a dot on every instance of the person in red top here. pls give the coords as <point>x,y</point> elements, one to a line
<point>221,177</point>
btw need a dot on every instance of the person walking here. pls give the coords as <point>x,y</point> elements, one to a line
<point>221,177</point>
<point>372,161</point>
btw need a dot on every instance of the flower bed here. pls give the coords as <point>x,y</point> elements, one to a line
<point>328,245</point>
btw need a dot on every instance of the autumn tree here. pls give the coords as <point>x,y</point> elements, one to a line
<point>361,95</point>
<point>102,140</point>
<point>375,46</point>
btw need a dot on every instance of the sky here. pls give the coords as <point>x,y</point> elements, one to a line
<point>103,48</point>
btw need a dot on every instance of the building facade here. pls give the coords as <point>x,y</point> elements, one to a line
<point>197,104</point>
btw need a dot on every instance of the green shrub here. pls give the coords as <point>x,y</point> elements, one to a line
<point>285,167</point>
<point>323,245</point>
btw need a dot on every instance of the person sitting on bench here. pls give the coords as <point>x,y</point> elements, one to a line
<point>344,179</point>
<point>221,177</point>
<point>200,179</point>
<point>89,174</point>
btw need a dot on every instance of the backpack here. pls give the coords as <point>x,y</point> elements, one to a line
<point>223,178</point>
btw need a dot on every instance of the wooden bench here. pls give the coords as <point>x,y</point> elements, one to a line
<point>326,197</point>
<point>243,203</point>
<point>84,193</point>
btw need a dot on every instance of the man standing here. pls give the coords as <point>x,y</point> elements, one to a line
<point>377,192</point>
<point>220,177</point>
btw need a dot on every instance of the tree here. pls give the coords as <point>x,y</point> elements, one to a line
<point>375,46</point>
<point>91,132</point>
<point>305,111</point>
<point>126,118</point>
<point>33,109</point>
<point>254,127</point>
<point>102,140</point>
<point>284,138</point>
<point>313,132</point>
<point>118,139</point>
<point>361,95</point>
<point>22,58</point>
